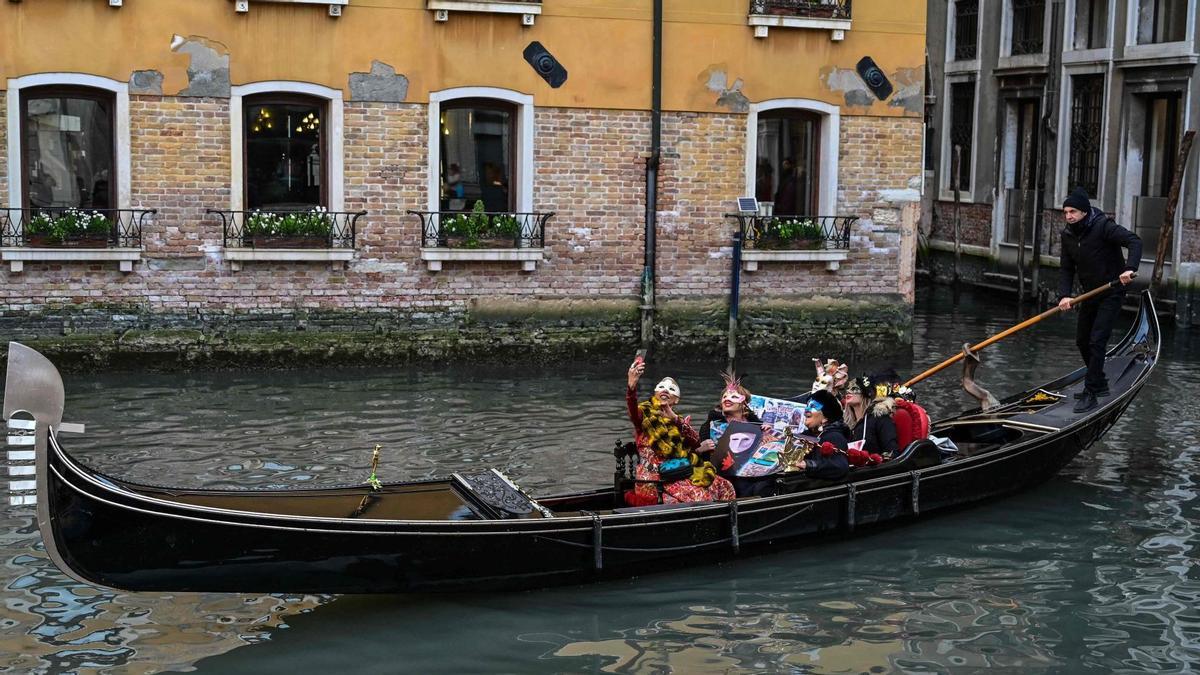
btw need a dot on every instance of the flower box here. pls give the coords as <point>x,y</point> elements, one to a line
<point>50,241</point>
<point>285,241</point>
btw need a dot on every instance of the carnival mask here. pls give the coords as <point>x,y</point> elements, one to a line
<point>668,385</point>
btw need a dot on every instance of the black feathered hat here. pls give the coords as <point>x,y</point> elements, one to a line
<point>829,405</point>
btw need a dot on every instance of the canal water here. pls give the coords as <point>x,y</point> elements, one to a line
<point>1095,571</point>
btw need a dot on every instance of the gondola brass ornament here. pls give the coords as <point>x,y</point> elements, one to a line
<point>970,363</point>
<point>373,480</point>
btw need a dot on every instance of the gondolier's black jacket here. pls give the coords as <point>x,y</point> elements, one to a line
<point>1092,248</point>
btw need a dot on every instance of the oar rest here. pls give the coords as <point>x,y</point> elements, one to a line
<point>917,455</point>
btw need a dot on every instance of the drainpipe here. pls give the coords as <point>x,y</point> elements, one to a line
<point>648,295</point>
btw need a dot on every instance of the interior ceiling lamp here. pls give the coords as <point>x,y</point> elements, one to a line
<point>310,123</point>
<point>263,121</point>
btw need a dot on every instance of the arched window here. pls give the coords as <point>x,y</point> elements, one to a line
<point>788,165</point>
<point>477,154</point>
<point>68,147</point>
<point>285,151</point>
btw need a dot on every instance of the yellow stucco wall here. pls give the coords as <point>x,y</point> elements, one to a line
<point>604,44</point>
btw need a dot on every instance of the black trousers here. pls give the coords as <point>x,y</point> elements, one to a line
<point>1096,319</point>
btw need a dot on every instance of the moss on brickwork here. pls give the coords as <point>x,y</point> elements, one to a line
<point>498,330</point>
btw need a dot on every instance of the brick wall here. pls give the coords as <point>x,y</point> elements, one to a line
<point>975,223</point>
<point>180,165</point>
<point>589,171</point>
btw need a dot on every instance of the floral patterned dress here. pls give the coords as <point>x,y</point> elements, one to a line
<point>683,490</point>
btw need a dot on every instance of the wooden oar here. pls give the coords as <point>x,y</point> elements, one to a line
<point>1015,329</point>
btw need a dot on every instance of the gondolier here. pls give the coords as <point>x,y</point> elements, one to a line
<point>1091,247</point>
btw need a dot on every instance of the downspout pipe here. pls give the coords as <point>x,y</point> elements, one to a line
<point>652,163</point>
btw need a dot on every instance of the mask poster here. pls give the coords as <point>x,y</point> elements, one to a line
<point>744,450</point>
<point>779,413</point>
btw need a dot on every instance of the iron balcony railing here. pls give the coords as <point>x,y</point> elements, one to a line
<point>288,228</point>
<point>483,229</point>
<point>62,226</point>
<point>795,233</point>
<point>817,9</point>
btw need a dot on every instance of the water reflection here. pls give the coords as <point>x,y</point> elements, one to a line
<point>1094,571</point>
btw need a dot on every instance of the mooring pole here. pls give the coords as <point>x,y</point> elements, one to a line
<point>955,172</point>
<point>735,291</point>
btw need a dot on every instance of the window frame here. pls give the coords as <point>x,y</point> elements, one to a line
<point>475,103</point>
<point>288,98</point>
<point>1096,191</point>
<point>523,157</point>
<point>814,195</point>
<point>76,92</point>
<point>953,43</point>
<point>333,130</point>
<point>966,194</point>
<point>1183,49</point>
<point>829,135</point>
<point>73,82</point>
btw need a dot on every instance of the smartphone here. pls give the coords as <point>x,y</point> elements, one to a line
<point>641,356</point>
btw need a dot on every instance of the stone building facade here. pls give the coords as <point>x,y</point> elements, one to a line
<point>1066,93</point>
<point>185,164</point>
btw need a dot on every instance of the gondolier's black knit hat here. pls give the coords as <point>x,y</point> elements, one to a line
<point>1078,199</point>
<point>829,405</point>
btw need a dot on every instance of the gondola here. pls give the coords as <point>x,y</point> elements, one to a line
<point>412,536</point>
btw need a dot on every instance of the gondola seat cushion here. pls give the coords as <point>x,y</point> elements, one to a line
<point>912,423</point>
<point>634,498</point>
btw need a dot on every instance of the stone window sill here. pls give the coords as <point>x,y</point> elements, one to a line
<point>1162,53</point>
<point>335,6</point>
<point>763,22</point>
<point>17,256</point>
<point>442,8</point>
<point>336,257</point>
<point>832,258</point>
<point>1023,63</point>
<point>528,257</point>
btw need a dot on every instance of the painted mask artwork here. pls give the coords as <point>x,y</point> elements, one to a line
<point>743,450</point>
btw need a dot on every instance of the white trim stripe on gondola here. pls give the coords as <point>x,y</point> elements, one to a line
<point>22,500</point>
<point>22,440</point>
<point>18,485</point>
<point>28,470</point>
<point>22,455</point>
<point>25,425</point>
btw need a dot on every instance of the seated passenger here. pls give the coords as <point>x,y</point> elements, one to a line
<point>823,419</point>
<point>665,441</point>
<point>734,406</point>
<point>869,412</point>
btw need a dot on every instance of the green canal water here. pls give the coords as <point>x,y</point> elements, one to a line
<point>1094,571</point>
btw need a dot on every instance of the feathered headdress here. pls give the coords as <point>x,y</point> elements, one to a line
<point>734,390</point>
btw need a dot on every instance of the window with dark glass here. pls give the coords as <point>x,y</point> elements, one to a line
<point>788,171</point>
<point>68,148</point>
<point>1162,117</point>
<point>962,130</point>
<point>285,152</point>
<point>1087,129</point>
<point>1028,17</point>
<point>1091,24</point>
<point>477,155</point>
<point>1161,21</point>
<point>966,29</point>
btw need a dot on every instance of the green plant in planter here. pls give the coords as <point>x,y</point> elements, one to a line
<point>315,223</point>
<point>477,225</point>
<point>806,233</point>
<point>68,225</point>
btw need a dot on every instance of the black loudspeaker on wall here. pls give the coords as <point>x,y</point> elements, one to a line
<point>545,64</point>
<point>876,81</point>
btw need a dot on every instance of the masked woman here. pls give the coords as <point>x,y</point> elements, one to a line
<point>823,419</point>
<point>665,444</point>
<point>869,413</point>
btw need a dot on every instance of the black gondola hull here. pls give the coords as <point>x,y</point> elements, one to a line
<point>113,534</point>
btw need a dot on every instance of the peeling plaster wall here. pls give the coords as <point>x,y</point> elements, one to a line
<point>381,84</point>
<point>208,67</point>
